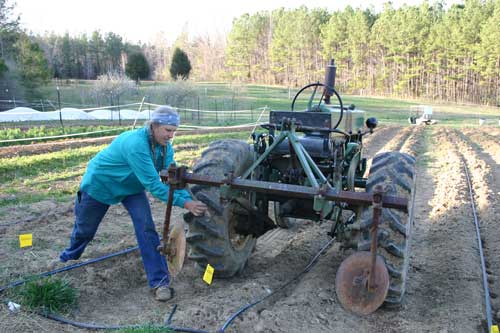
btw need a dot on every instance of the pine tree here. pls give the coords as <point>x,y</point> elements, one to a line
<point>33,65</point>
<point>137,67</point>
<point>180,66</point>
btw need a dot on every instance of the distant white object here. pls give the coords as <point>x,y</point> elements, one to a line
<point>421,114</point>
<point>114,115</point>
<point>71,114</point>
<point>21,110</point>
<point>27,114</point>
<point>481,121</point>
<point>14,307</point>
<point>146,114</point>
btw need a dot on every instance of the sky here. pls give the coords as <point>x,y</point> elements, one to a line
<point>142,20</point>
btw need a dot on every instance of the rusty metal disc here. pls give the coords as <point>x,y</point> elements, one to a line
<point>176,249</point>
<point>351,283</point>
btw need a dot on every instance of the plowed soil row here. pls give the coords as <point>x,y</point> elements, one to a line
<point>484,171</point>
<point>484,141</point>
<point>444,292</point>
<point>395,143</point>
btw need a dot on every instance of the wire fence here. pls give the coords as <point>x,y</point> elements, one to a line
<point>124,113</point>
<point>127,116</point>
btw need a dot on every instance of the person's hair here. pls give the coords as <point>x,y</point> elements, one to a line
<point>163,109</point>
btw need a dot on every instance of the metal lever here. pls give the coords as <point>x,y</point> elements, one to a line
<point>175,180</point>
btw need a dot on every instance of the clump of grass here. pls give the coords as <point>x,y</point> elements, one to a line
<point>49,295</point>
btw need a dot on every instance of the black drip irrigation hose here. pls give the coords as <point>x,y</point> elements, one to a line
<point>296,277</point>
<point>117,327</point>
<point>67,268</point>
<point>169,319</point>
<point>489,318</point>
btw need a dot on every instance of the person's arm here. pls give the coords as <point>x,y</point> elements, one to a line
<point>139,159</point>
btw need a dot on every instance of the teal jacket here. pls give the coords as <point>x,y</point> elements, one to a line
<point>126,167</point>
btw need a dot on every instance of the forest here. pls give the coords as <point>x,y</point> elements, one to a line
<point>426,51</point>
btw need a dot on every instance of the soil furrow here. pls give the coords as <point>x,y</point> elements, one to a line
<point>445,281</point>
<point>485,142</point>
<point>374,142</point>
<point>398,140</point>
<point>485,177</point>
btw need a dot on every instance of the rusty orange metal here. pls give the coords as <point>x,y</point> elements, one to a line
<point>352,287</point>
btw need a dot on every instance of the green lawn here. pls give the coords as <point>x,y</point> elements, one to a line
<point>218,96</point>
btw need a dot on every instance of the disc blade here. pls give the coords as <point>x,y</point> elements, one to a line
<point>351,283</point>
<point>177,249</point>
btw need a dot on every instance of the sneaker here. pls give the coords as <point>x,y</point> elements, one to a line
<point>164,293</point>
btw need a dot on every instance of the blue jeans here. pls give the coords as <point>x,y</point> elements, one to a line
<point>90,212</point>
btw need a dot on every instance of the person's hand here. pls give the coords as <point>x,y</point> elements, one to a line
<point>197,208</point>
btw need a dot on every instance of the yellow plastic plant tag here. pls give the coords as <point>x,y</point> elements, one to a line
<point>494,329</point>
<point>209,274</point>
<point>25,240</point>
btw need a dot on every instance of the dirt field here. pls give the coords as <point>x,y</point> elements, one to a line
<point>444,292</point>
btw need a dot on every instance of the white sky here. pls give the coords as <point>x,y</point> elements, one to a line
<point>143,19</point>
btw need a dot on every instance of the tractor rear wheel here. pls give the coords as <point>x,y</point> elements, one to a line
<point>214,238</point>
<point>395,171</point>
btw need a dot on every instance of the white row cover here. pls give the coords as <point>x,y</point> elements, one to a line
<point>28,114</point>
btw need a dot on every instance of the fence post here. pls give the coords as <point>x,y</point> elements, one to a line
<point>149,107</point>
<point>198,110</point>
<point>119,111</point>
<point>111,103</point>
<point>41,102</point>
<point>193,116</point>
<point>216,116</point>
<point>60,112</point>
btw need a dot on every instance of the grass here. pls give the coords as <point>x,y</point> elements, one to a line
<point>217,96</point>
<point>24,167</point>
<point>34,178</point>
<point>225,96</point>
<point>56,175</point>
<point>49,295</point>
<point>424,159</point>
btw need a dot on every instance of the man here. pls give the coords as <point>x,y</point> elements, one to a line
<point>121,173</point>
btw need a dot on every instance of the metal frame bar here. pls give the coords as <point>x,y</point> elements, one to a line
<point>296,191</point>
<point>302,159</point>
<point>314,167</point>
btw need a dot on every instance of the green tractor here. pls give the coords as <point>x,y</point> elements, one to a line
<point>307,164</point>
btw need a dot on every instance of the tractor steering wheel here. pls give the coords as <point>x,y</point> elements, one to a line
<point>310,109</point>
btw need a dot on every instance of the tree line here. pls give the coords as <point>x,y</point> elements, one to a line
<point>422,51</point>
